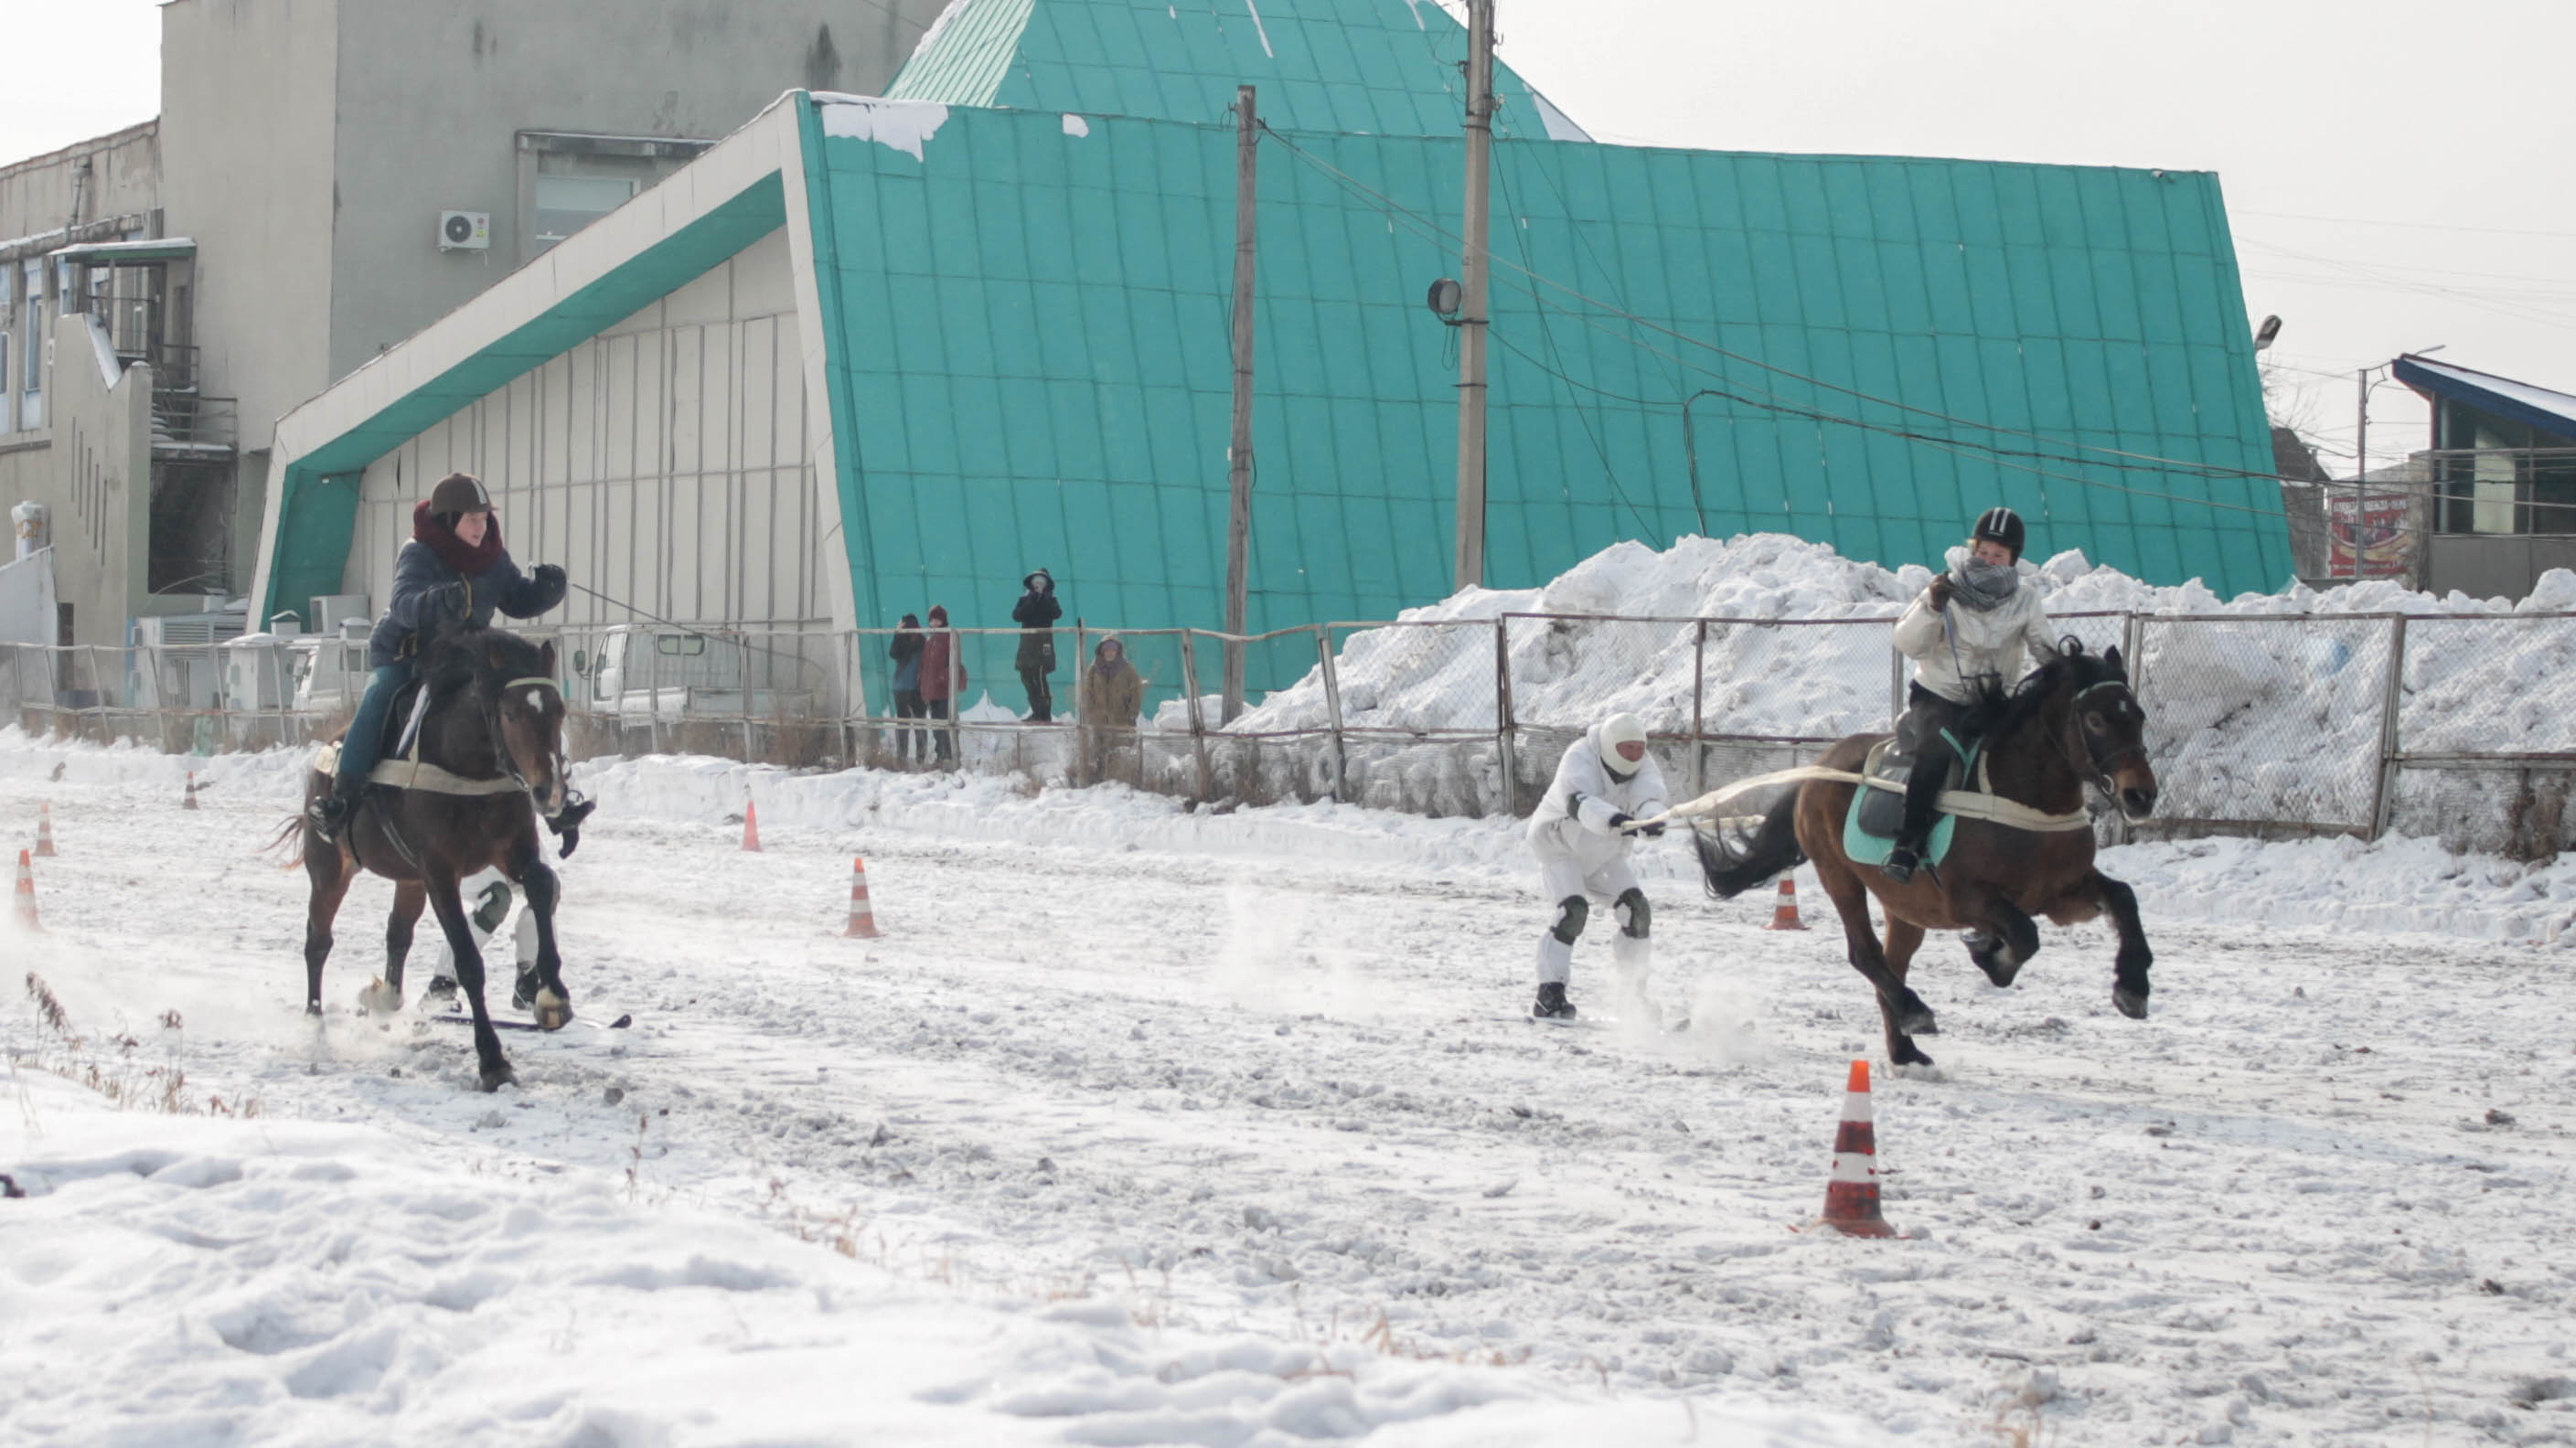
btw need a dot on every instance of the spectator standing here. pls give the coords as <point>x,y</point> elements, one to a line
<point>1036,613</point>
<point>943,678</point>
<point>910,743</point>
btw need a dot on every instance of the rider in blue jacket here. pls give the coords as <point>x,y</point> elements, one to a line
<point>454,573</point>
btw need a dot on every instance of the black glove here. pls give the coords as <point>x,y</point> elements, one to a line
<point>550,575</point>
<point>449,603</point>
<point>1620,822</point>
<point>1653,831</point>
<point>1939,592</point>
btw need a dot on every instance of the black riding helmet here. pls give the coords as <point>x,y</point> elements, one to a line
<point>1999,525</point>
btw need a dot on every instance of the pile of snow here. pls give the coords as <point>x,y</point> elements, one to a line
<point>209,1279</point>
<point>2264,707</point>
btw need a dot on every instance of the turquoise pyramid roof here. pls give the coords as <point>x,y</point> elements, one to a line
<point>1371,67</point>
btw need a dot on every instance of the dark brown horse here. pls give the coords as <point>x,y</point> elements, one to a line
<point>494,730</point>
<point>2073,722</point>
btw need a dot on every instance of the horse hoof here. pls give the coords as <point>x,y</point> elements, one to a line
<point>496,1077</point>
<point>553,1011</point>
<point>380,999</point>
<point>1907,1055</point>
<point>2132,1003</point>
<point>313,1008</point>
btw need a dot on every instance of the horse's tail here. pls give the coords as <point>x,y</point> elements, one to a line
<point>1731,869</point>
<point>293,828</point>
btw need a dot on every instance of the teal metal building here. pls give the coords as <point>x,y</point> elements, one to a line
<point>1008,303</point>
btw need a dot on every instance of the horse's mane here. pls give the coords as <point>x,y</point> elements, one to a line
<point>461,657</point>
<point>1997,709</point>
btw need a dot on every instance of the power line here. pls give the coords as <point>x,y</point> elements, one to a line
<point>2409,225</point>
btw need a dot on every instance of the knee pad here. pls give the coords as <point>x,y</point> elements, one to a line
<point>1571,912</point>
<point>1636,917</point>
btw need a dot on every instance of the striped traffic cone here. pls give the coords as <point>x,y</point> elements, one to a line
<point>190,801</point>
<point>1784,916</point>
<point>1851,1197</point>
<point>751,828</point>
<point>45,831</point>
<point>863,920</point>
<point>25,911</point>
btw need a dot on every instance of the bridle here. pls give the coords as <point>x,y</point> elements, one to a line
<point>2099,775</point>
<point>500,745</point>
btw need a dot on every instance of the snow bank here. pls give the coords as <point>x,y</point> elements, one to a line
<point>2266,707</point>
<point>207,1279</point>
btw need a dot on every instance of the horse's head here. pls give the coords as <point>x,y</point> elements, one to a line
<point>2110,728</point>
<point>513,682</point>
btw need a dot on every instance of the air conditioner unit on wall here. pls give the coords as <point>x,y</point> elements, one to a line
<point>465,231</point>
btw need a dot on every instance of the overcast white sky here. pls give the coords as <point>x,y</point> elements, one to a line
<point>2397,174</point>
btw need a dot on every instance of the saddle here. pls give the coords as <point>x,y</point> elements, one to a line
<point>1878,806</point>
<point>398,761</point>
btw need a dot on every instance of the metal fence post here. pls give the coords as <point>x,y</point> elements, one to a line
<point>1085,728</point>
<point>1333,713</point>
<point>2385,802</point>
<point>1699,693</point>
<point>1198,725</point>
<point>1895,684</point>
<point>1504,754</point>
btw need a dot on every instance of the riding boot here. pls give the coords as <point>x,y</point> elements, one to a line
<point>1901,863</point>
<point>1552,1003</point>
<point>330,813</point>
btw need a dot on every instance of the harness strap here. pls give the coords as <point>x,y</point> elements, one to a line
<point>1979,804</point>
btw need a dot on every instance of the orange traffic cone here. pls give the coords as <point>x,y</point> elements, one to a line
<point>1851,1196</point>
<point>751,828</point>
<point>190,802</point>
<point>1784,916</point>
<point>25,913</point>
<point>863,920</point>
<point>45,831</point>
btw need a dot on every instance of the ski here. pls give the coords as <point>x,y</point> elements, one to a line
<point>505,1023</point>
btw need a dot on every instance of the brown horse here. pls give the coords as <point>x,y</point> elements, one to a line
<point>494,728</point>
<point>2073,722</point>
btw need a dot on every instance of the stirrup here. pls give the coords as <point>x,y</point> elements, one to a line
<point>1900,864</point>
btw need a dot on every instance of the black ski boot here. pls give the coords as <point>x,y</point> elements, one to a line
<point>1551,1003</point>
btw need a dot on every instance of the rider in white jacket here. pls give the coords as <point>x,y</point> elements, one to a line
<point>1968,631</point>
<point>1581,836</point>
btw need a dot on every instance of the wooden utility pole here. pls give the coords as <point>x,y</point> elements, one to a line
<point>1472,319</point>
<point>1238,454</point>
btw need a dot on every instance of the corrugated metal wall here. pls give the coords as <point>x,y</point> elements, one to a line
<point>665,463</point>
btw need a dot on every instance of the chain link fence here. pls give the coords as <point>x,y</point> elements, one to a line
<point>2458,726</point>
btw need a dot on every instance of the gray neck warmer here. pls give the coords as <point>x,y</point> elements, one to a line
<point>1982,586</point>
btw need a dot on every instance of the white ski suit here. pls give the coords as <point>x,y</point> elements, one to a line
<point>1580,855</point>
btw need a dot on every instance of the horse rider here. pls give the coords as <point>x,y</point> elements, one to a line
<point>452,573</point>
<point>1967,633</point>
<point>1581,836</point>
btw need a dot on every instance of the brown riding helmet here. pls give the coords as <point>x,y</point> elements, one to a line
<point>459,493</point>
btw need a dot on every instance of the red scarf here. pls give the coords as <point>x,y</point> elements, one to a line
<point>453,551</point>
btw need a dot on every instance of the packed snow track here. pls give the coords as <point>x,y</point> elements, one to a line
<point>1268,1076</point>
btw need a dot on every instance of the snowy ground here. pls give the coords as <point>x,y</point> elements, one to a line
<point>1141,1127</point>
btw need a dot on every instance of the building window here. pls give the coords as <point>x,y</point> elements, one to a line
<point>566,204</point>
<point>31,357</point>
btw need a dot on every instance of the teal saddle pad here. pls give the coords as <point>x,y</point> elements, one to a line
<point>1869,827</point>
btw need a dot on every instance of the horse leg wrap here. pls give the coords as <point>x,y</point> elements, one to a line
<point>1636,917</point>
<point>1571,912</point>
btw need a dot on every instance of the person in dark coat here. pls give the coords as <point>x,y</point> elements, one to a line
<point>1036,613</point>
<point>452,574</point>
<point>909,743</point>
<point>943,678</point>
<point>1111,696</point>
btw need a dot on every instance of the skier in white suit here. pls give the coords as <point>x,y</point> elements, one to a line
<point>1581,835</point>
